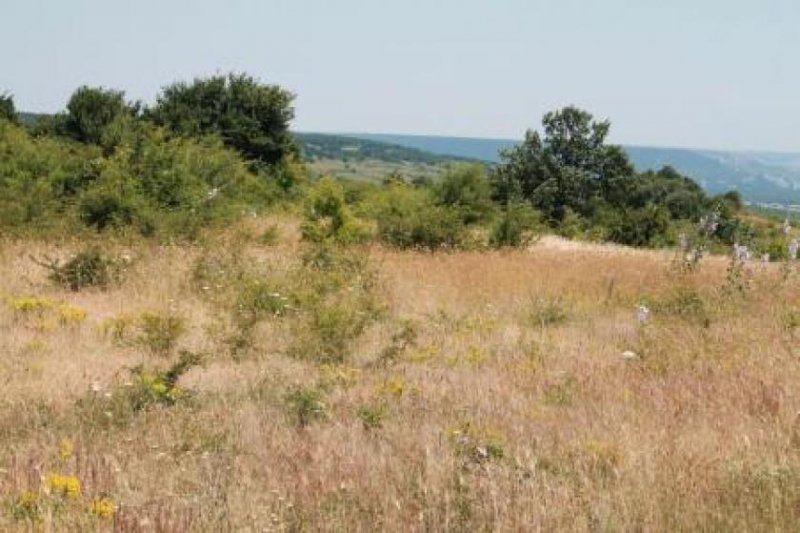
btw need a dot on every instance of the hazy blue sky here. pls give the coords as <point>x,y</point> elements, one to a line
<point>700,73</point>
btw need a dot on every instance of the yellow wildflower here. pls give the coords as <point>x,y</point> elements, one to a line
<point>102,507</point>
<point>66,449</point>
<point>66,486</point>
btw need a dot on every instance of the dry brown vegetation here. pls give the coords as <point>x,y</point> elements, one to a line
<point>481,391</point>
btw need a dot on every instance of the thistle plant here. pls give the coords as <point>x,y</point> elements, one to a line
<point>738,276</point>
<point>693,248</point>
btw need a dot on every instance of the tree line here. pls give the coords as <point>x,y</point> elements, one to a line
<point>213,148</point>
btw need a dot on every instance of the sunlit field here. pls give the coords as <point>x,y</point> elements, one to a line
<point>254,382</point>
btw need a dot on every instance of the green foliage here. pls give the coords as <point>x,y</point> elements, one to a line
<point>570,168</point>
<point>7,110</point>
<point>147,389</point>
<point>515,227</point>
<point>37,179</point>
<point>372,416</point>
<point>90,111</point>
<point>337,298</point>
<point>466,189</point>
<point>306,405</point>
<point>249,116</point>
<point>88,268</point>
<point>328,219</point>
<point>409,218</point>
<point>161,387</point>
<point>149,182</point>
<point>572,172</point>
<point>640,227</point>
<point>159,333</point>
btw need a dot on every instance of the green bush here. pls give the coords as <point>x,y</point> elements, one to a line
<point>515,226</point>
<point>408,218</point>
<point>159,333</point>
<point>89,268</point>
<point>305,405</point>
<point>337,299</point>
<point>466,189</point>
<point>328,218</point>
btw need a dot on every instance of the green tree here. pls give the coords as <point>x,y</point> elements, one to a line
<point>250,117</point>
<point>90,111</point>
<point>7,110</point>
<point>570,168</point>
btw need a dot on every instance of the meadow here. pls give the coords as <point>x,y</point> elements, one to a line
<point>253,381</point>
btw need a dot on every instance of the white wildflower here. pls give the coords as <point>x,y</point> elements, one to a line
<point>643,314</point>
<point>741,253</point>
<point>793,248</point>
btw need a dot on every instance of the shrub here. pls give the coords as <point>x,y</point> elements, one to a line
<point>328,219</point>
<point>336,295</point>
<point>305,405</point>
<point>640,227</point>
<point>146,389</point>
<point>159,333</point>
<point>88,268</point>
<point>91,110</point>
<point>466,189</point>
<point>515,226</point>
<point>408,218</point>
<point>372,416</point>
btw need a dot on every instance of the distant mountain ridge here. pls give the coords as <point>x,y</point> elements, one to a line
<point>761,177</point>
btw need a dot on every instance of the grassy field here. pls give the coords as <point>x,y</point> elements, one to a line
<point>370,389</point>
<point>374,170</point>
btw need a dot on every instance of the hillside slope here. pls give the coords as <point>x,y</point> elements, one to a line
<point>759,176</point>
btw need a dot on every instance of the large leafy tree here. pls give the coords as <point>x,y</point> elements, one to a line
<point>90,111</point>
<point>570,168</point>
<point>250,117</point>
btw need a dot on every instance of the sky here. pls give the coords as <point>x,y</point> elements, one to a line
<point>718,74</point>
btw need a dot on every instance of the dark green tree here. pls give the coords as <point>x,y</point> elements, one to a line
<point>90,111</point>
<point>7,110</point>
<point>249,116</point>
<point>570,168</point>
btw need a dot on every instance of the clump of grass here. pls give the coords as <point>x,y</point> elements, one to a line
<point>685,303</point>
<point>562,392</point>
<point>270,236</point>
<point>118,327</point>
<point>372,416</point>
<point>547,311</point>
<point>477,444</point>
<point>306,405</point>
<point>159,333</point>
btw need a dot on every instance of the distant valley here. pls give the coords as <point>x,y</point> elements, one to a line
<point>761,177</point>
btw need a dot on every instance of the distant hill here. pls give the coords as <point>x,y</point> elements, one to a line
<point>761,177</point>
<point>320,146</point>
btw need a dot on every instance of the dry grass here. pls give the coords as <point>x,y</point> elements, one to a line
<point>491,394</point>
